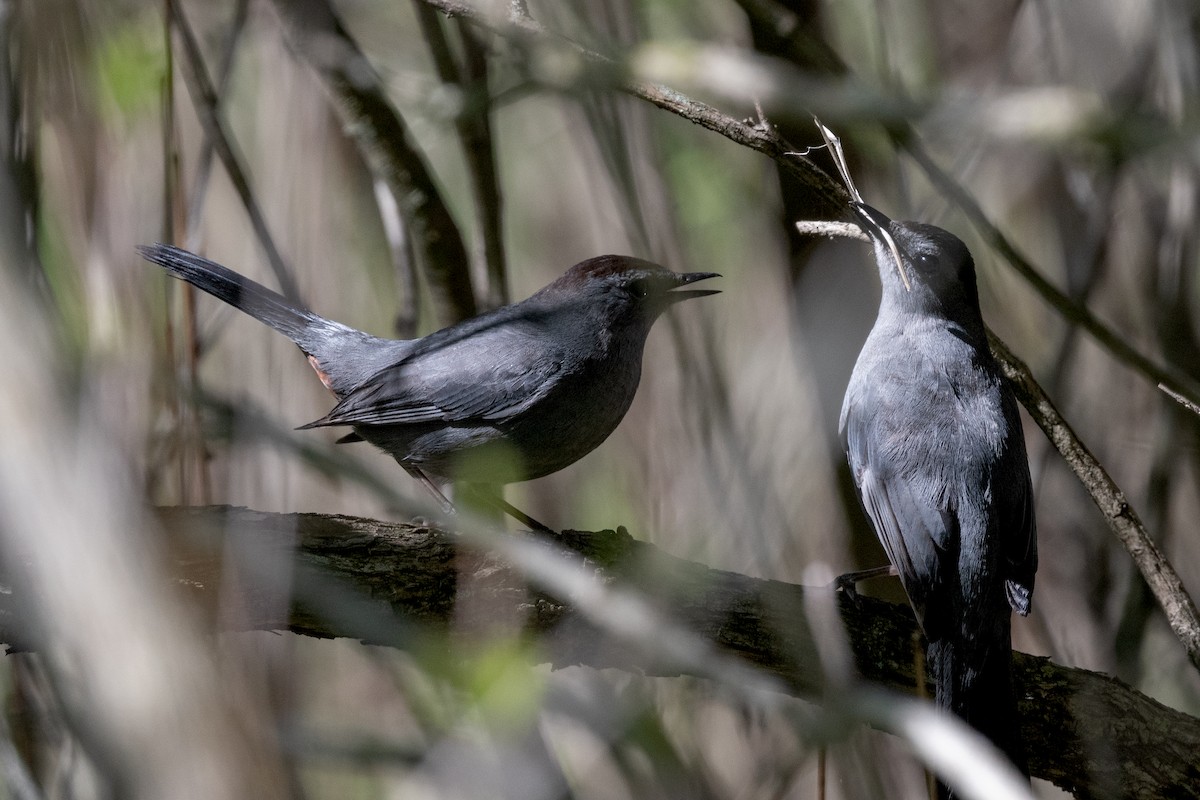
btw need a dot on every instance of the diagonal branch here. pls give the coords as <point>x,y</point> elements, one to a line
<point>203,171</point>
<point>204,99</point>
<point>826,197</point>
<point>1162,578</point>
<point>317,36</point>
<point>1171,377</point>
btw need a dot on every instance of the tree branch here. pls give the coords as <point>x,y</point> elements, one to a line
<point>1162,578</point>
<point>1171,377</point>
<point>826,195</point>
<point>316,35</point>
<point>394,584</point>
<point>205,102</point>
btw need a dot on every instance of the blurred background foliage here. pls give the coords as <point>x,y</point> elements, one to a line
<point>1071,125</point>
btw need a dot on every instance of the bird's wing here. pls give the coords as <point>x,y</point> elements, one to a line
<point>1020,529</point>
<point>911,517</point>
<point>474,376</point>
<point>912,527</point>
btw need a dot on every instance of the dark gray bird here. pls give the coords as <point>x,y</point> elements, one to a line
<point>935,446</point>
<point>510,395</point>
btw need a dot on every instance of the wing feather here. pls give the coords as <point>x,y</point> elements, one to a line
<point>463,379</point>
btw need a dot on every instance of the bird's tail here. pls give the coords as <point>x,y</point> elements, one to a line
<point>269,307</point>
<point>974,681</point>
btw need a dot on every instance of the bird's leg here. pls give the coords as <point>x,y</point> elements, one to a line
<point>848,582</point>
<point>493,499</point>
<point>438,494</point>
<point>496,500</point>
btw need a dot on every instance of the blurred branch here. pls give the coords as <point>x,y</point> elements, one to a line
<point>1087,733</point>
<point>828,198</point>
<point>19,177</point>
<point>1071,310</point>
<point>204,100</point>
<point>473,123</point>
<point>317,36</point>
<point>203,172</point>
<point>1164,582</point>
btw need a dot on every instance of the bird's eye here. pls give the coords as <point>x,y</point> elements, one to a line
<point>640,287</point>
<point>926,260</point>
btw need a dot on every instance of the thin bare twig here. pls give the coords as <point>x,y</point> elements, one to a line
<point>204,99</point>
<point>203,169</point>
<point>1178,398</point>
<point>833,230</point>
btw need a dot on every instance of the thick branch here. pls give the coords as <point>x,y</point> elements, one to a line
<point>393,584</point>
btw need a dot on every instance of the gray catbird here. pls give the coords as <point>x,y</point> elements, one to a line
<point>934,441</point>
<point>512,394</point>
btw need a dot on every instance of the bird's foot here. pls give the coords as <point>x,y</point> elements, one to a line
<point>847,583</point>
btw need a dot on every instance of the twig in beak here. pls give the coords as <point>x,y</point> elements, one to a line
<point>834,144</point>
<point>839,159</point>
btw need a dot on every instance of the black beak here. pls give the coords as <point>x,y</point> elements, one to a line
<point>875,225</point>
<point>683,279</point>
<point>871,220</point>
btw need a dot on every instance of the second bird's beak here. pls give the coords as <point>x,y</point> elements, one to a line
<point>875,225</point>
<point>683,279</point>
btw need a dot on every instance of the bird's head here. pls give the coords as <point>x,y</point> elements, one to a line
<point>628,290</point>
<point>923,268</point>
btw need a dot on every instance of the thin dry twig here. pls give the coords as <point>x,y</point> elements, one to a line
<point>1178,398</point>
<point>834,145</point>
<point>839,159</point>
<point>833,230</point>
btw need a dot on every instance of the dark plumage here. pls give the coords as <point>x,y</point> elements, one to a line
<point>512,394</point>
<point>935,445</point>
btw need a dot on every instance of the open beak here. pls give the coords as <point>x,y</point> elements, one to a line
<point>875,224</point>
<point>683,279</point>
